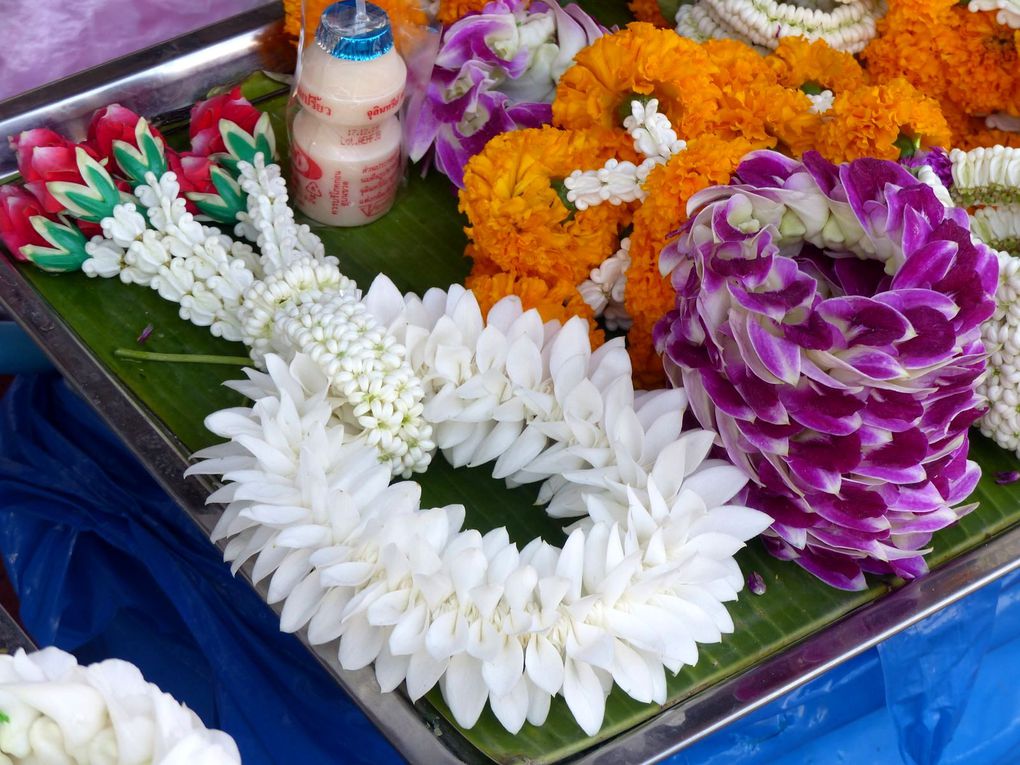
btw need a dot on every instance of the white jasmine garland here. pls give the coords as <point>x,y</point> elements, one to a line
<point>847,27</point>
<point>698,23</point>
<point>269,221</point>
<point>604,290</point>
<point>929,177</point>
<point>186,262</point>
<point>57,711</point>
<point>288,298</point>
<point>1001,337</point>
<point>310,308</point>
<point>619,182</point>
<point>986,175</point>
<point>998,227</point>
<point>640,581</point>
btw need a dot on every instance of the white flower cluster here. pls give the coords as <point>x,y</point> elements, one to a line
<point>604,290</point>
<point>1001,336</point>
<point>171,252</point>
<point>821,102</point>
<point>640,581</point>
<point>309,307</point>
<point>998,227</point>
<point>269,221</point>
<point>989,176</point>
<point>1008,10</point>
<point>926,175</point>
<point>619,182</point>
<point>288,298</point>
<point>57,712</point>
<point>848,27</point>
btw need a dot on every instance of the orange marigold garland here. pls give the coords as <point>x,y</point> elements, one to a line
<point>964,60</point>
<point>707,161</point>
<point>800,63</point>
<point>519,221</point>
<point>753,104</point>
<point>869,121</point>
<point>637,61</point>
<point>983,55</point>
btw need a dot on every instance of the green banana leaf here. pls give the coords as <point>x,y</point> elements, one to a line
<point>420,245</point>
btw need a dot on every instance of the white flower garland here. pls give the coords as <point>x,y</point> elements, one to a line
<point>363,388</point>
<point>619,182</point>
<point>640,581</point>
<point>848,27</point>
<point>1001,337</point>
<point>56,711</point>
<point>289,298</point>
<point>998,227</point>
<point>989,177</point>
<point>604,291</point>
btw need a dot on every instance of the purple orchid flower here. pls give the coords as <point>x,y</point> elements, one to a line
<point>496,71</point>
<point>828,327</point>
<point>937,159</point>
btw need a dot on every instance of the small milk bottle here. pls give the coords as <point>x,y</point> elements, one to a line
<point>345,139</point>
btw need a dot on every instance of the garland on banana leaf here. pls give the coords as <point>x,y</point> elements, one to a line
<point>805,240</point>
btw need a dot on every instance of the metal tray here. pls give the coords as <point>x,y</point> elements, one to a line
<point>12,637</point>
<point>165,80</point>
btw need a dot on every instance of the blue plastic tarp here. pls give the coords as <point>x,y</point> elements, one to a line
<point>106,565</point>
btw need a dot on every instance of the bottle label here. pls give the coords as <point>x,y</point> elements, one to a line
<point>348,115</point>
<point>303,164</point>
<point>384,110</point>
<point>361,136</point>
<point>343,191</point>
<point>314,103</point>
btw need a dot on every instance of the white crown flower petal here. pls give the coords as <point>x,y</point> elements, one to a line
<point>57,711</point>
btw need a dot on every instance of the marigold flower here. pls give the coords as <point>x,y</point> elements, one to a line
<point>868,121</point>
<point>638,61</point>
<point>556,301</point>
<point>452,10</point>
<point>650,12</point>
<point>753,104</point>
<point>798,62</point>
<point>517,218</point>
<point>982,54</point>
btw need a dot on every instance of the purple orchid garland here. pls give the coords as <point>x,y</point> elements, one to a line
<point>496,71</point>
<point>828,327</point>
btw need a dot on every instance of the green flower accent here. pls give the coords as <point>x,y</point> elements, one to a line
<point>67,252</point>
<point>92,201</point>
<point>4,718</point>
<point>224,206</point>
<point>148,157</point>
<point>243,146</point>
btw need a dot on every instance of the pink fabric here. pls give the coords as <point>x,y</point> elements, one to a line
<point>44,40</point>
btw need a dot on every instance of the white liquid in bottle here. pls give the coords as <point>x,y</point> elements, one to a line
<point>345,140</point>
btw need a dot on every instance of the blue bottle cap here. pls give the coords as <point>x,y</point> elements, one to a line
<point>342,35</point>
